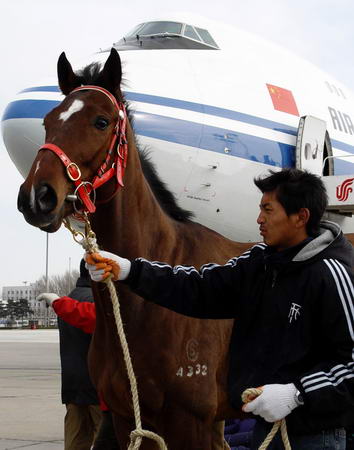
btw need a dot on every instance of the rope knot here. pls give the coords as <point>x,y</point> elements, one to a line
<point>137,435</point>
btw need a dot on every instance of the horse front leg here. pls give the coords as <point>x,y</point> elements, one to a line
<point>186,431</point>
<point>219,442</point>
<point>124,427</point>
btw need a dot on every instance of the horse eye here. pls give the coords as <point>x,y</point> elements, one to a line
<point>101,123</point>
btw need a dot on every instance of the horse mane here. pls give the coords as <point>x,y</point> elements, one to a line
<point>167,200</point>
<point>165,197</point>
<point>90,73</point>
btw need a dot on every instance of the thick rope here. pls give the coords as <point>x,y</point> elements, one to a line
<point>89,243</point>
<point>136,435</point>
<point>249,395</point>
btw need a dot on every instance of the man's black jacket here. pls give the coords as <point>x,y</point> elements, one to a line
<point>294,320</point>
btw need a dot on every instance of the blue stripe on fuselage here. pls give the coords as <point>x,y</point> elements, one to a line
<point>183,132</point>
<point>214,139</point>
<point>41,89</point>
<point>191,133</point>
<point>29,109</point>
<point>191,106</point>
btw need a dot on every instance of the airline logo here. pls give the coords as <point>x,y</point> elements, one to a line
<point>343,190</point>
<point>283,99</point>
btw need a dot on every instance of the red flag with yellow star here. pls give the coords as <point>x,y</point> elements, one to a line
<point>283,99</point>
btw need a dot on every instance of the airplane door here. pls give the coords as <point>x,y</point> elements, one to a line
<point>310,143</point>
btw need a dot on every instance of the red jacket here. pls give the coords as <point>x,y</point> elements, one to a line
<point>78,314</point>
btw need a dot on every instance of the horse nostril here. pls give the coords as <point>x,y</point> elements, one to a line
<point>46,199</point>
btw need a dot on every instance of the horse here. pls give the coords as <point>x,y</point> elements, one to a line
<point>180,363</point>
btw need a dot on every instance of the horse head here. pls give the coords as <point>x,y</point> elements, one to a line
<point>83,137</point>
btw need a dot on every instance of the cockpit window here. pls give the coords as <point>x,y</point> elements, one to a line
<point>190,32</point>
<point>159,35</point>
<point>135,30</point>
<point>205,35</point>
<point>160,27</point>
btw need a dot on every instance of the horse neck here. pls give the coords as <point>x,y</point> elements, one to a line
<point>132,222</point>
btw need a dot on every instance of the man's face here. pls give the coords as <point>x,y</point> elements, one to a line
<point>277,228</point>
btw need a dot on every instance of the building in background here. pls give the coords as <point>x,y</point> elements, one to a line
<point>41,315</point>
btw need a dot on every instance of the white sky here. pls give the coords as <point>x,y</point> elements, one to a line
<point>33,34</point>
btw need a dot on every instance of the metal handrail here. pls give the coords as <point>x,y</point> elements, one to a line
<point>332,157</point>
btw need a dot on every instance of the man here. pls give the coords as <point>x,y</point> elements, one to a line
<point>83,414</point>
<point>79,316</point>
<point>292,298</point>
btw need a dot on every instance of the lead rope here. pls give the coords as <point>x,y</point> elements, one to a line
<point>249,395</point>
<point>89,243</point>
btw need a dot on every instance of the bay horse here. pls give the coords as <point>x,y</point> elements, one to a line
<point>180,363</point>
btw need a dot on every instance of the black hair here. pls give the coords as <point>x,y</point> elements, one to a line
<point>296,189</point>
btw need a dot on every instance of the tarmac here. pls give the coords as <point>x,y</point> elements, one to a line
<point>31,412</point>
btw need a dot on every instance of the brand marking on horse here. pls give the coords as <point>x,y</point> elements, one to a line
<point>195,370</point>
<point>192,350</point>
<point>76,106</point>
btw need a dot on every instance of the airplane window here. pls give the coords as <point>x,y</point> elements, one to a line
<point>191,33</point>
<point>134,31</point>
<point>205,35</point>
<point>166,35</point>
<point>161,27</point>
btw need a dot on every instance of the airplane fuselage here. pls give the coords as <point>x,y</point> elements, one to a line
<point>213,120</point>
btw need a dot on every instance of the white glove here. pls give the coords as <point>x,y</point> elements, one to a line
<point>275,402</point>
<point>102,264</point>
<point>48,298</point>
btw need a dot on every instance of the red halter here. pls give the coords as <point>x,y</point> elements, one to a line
<point>84,188</point>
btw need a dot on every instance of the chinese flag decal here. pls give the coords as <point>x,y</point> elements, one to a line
<point>283,99</point>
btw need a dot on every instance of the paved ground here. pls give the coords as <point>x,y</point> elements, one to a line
<point>31,413</point>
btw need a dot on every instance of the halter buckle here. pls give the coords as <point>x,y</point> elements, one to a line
<point>75,166</point>
<point>84,184</point>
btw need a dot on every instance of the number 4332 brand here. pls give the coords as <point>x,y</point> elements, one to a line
<point>190,371</point>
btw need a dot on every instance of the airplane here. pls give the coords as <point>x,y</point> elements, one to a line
<point>217,107</point>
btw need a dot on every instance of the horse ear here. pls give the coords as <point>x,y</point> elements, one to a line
<point>111,74</point>
<point>66,76</point>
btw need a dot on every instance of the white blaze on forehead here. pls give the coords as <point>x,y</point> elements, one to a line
<point>76,106</point>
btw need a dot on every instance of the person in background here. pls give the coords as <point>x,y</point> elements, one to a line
<point>83,413</point>
<point>292,298</point>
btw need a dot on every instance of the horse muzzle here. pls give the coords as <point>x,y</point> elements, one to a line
<point>38,206</point>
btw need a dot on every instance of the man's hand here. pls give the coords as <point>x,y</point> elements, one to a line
<point>48,298</point>
<point>275,402</point>
<point>102,265</point>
